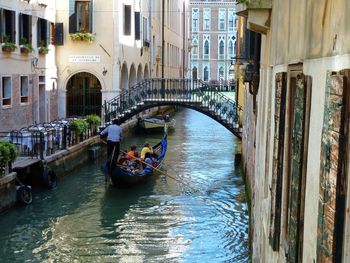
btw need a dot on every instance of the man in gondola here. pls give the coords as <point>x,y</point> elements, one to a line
<point>114,136</point>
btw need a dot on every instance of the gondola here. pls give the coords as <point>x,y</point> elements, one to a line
<point>125,176</point>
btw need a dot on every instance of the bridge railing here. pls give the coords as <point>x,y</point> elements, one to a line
<point>185,91</point>
<point>152,89</point>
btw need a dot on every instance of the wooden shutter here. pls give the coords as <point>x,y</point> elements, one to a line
<point>137,26</point>
<point>300,100</point>
<point>1,24</point>
<point>72,18</point>
<point>13,26</point>
<point>58,34</point>
<point>47,40</point>
<point>276,195</point>
<point>20,27</point>
<point>333,169</point>
<point>127,20</point>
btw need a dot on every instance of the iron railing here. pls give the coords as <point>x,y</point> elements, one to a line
<point>184,92</point>
<point>44,139</point>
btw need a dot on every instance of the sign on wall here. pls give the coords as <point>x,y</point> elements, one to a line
<point>84,58</point>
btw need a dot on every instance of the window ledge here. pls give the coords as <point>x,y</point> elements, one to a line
<point>5,107</point>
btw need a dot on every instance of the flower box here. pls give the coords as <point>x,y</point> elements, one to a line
<point>7,49</point>
<point>43,50</point>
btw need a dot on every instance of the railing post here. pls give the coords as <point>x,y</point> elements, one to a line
<point>64,139</point>
<point>42,145</point>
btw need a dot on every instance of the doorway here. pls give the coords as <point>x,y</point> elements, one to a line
<point>84,95</point>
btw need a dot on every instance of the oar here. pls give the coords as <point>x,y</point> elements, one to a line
<point>162,172</point>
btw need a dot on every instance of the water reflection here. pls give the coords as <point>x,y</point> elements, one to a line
<point>160,221</point>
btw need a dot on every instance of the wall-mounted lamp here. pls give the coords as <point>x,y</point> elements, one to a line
<point>104,72</point>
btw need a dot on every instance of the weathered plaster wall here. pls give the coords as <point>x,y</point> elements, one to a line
<point>316,34</point>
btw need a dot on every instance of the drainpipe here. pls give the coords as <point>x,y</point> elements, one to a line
<point>163,47</point>
<point>184,39</point>
<point>163,42</point>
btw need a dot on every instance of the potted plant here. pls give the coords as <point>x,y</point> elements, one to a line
<point>8,154</point>
<point>78,126</point>
<point>93,120</point>
<point>43,49</point>
<point>7,45</point>
<point>82,36</point>
<point>25,47</point>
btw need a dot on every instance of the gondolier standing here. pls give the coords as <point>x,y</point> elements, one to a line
<point>114,136</point>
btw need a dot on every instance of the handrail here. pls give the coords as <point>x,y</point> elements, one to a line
<point>187,92</point>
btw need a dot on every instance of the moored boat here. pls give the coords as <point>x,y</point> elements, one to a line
<point>157,123</point>
<point>126,176</point>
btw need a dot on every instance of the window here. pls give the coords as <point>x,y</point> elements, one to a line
<point>80,16</point>
<point>137,26</point>
<point>83,12</point>
<point>43,33</point>
<point>195,47</point>
<point>230,48</point>
<point>195,19</point>
<point>221,49</point>
<point>6,91</point>
<point>24,86</point>
<point>127,20</point>
<point>230,20</point>
<point>206,46</point>
<point>8,25</point>
<point>222,19</point>
<point>194,73</point>
<point>25,29</point>
<point>146,40</point>
<point>206,73</point>
<point>221,45</point>
<point>206,18</point>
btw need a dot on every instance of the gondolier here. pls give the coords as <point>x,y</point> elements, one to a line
<point>114,136</point>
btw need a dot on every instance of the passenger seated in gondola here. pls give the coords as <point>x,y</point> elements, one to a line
<point>132,156</point>
<point>146,149</point>
<point>123,159</point>
<point>148,164</point>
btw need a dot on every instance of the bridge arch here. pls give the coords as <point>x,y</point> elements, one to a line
<point>124,78</point>
<point>197,95</point>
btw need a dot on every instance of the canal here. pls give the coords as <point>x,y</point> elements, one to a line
<point>82,220</point>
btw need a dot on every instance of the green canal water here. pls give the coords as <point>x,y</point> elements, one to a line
<point>83,220</point>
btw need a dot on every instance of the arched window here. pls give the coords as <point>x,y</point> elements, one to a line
<point>206,47</point>
<point>195,48</point>
<point>206,74</point>
<point>221,48</point>
<point>230,48</point>
<point>194,73</point>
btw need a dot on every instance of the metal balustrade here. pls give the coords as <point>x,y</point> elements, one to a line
<point>194,94</point>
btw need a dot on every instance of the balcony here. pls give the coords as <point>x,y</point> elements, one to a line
<point>258,14</point>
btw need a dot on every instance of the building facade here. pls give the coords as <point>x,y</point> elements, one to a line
<point>73,55</point>
<point>300,184</point>
<point>122,46</point>
<point>213,27</point>
<point>28,73</point>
